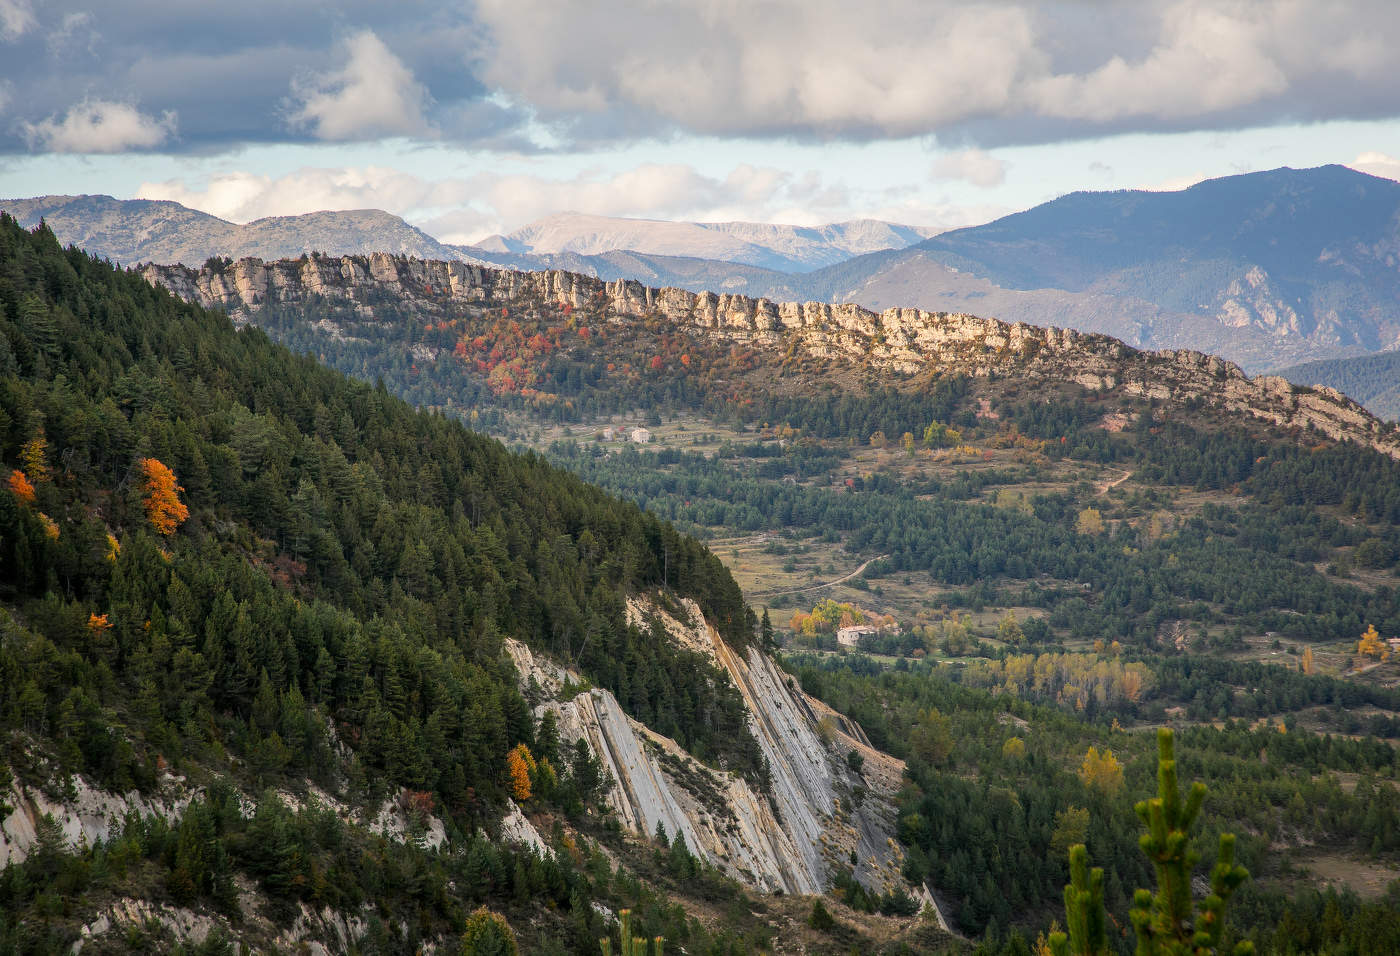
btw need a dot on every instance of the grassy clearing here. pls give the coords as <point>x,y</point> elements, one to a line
<point>1368,878</point>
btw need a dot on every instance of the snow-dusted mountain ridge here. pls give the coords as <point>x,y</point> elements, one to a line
<point>784,248</point>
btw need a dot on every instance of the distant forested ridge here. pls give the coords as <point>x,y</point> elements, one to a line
<point>1373,380</point>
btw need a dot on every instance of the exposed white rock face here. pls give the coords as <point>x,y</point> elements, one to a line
<point>318,934</point>
<point>90,816</point>
<point>898,340</point>
<point>183,924</point>
<point>516,828</point>
<point>789,841</point>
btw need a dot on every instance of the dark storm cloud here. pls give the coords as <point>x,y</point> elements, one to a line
<point>141,74</point>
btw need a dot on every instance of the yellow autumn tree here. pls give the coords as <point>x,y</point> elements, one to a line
<point>520,763</point>
<point>1009,629</point>
<point>1101,771</point>
<point>161,495</point>
<point>21,488</point>
<point>1308,666</point>
<point>34,459</point>
<point>1090,521</point>
<point>1372,646</point>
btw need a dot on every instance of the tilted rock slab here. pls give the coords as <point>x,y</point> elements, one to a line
<point>791,840</point>
<point>905,341</point>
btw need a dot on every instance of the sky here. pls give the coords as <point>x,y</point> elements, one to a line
<point>475,117</point>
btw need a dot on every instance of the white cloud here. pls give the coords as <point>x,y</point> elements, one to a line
<point>1377,164</point>
<point>373,95</point>
<point>99,126</point>
<point>1208,58</point>
<point>243,196</point>
<point>467,209</point>
<point>1176,183</point>
<point>719,66</point>
<point>76,34</point>
<point>898,68</point>
<point>16,19</point>
<point>973,165</point>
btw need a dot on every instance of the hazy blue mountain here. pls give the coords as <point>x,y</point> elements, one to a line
<point>1267,268</point>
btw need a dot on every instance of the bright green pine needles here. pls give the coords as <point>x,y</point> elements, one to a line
<point>631,945</point>
<point>1084,910</point>
<point>1167,923</point>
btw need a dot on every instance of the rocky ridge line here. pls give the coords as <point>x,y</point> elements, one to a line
<point>904,341</point>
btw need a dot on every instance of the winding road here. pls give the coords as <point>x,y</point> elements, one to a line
<point>774,592</point>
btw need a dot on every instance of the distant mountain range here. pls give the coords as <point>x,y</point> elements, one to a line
<point>1267,269</point>
<point>727,256</point>
<point>147,230</point>
<point>779,248</point>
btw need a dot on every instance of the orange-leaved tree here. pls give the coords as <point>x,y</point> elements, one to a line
<point>519,764</point>
<point>20,486</point>
<point>161,495</point>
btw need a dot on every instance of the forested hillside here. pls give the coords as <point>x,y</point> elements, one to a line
<point>225,563</point>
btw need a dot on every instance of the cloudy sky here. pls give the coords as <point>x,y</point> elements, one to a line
<point>469,117</point>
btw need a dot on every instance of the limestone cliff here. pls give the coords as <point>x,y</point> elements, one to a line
<point>902,341</point>
<point>818,811</point>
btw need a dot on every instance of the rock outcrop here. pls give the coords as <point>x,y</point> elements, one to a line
<point>85,814</point>
<point>900,341</point>
<point>817,813</point>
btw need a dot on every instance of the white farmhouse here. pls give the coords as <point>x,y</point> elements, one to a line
<point>850,636</point>
<point>641,436</point>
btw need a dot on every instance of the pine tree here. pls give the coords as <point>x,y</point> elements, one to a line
<point>488,934</point>
<point>1163,921</point>
<point>631,945</point>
